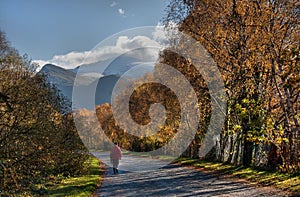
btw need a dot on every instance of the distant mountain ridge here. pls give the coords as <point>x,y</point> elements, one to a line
<point>58,75</point>
<point>64,80</point>
<point>103,75</point>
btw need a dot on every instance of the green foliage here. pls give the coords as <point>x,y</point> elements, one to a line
<point>83,185</point>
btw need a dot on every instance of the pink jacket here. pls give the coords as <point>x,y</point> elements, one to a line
<point>115,153</point>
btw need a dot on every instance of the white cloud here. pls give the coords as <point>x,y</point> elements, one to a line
<point>123,44</point>
<point>138,41</point>
<point>121,11</point>
<point>113,4</point>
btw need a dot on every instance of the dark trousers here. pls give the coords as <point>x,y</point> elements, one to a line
<point>115,163</point>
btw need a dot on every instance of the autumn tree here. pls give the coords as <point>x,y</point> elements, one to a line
<point>256,47</point>
<point>140,102</point>
<point>38,138</point>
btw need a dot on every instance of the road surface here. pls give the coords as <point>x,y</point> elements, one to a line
<point>174,180</point>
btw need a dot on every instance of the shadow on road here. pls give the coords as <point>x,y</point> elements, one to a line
<point>175,180</point>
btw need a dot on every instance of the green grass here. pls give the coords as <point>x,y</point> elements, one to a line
<point>83,185</point>
<point>284,181</point>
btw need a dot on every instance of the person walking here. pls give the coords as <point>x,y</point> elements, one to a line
<point>115,157</point>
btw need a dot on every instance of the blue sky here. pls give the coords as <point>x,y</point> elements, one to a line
<point>43,29</point>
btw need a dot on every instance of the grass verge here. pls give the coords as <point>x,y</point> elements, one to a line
<point>284,181</point>
<point>83,185</point>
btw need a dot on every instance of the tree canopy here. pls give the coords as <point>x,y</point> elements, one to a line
<point>256,47</point>
<point>38,138</point>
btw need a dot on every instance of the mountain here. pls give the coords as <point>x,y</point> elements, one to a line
<point>130,60</point>
<point>58,75</point>
<point>122,64</point>
<point>74,70</point>
<point>100,76</point>
<point>100,89</point>
<point>64,80</point>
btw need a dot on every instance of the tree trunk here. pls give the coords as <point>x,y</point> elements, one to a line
<point>229,159</point>
<point>247,153</point>
<point>273,157</point>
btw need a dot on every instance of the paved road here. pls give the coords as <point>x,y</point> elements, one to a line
<point>174,180</point>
